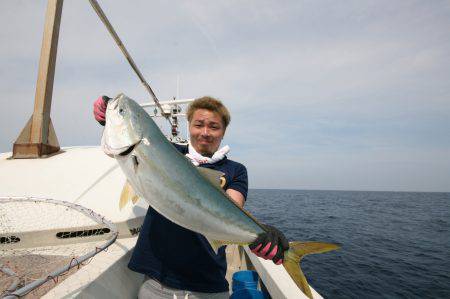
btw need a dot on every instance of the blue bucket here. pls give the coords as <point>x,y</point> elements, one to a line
<point>245,280</point>
<point>247,294</point>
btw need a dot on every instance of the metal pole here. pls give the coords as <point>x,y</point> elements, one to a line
<point>116,38</point>
<point>38,138</point>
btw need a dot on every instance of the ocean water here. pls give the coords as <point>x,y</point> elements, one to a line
<point>394,244</point>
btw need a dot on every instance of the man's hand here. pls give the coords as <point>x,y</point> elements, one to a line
<point>100,109</point>
<point>270,245</point>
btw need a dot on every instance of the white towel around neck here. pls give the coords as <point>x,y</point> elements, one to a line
<point>198,159</point>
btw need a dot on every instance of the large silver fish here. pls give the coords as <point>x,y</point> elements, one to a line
<point>189,196</point>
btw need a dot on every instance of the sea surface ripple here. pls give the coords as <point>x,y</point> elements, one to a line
<point>394,244</point>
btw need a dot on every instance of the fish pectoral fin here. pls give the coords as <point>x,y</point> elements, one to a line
<point>127,195</point>
<point>135,199</point>
<point>216,244</point>
<point>214,176</point>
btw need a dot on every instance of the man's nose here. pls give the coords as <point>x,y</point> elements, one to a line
<point>205,131</point>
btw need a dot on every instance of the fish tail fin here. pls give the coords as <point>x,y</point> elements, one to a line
<point>292,257</point>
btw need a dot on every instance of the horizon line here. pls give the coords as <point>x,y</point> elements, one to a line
<point>346,190</point>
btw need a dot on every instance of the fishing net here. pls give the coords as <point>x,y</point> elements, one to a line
<point>43,241</point>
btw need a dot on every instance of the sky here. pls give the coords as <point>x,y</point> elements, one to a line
<point>329,95</point>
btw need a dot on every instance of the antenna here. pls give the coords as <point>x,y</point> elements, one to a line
<point>178,87</point>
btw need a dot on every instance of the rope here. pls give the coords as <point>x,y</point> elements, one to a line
<point>130,60</point>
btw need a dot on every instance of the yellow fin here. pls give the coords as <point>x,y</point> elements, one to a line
<point>293,256</point>
<point>216,244</point>
<point>127,195</point>
<point>214,176</point>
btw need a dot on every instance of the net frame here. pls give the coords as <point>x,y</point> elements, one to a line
<point>110,238</point>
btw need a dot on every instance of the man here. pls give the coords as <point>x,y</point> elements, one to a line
<point>180,263</point>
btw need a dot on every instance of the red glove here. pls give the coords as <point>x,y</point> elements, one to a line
<point>270,245</point>
<point>100,109</point>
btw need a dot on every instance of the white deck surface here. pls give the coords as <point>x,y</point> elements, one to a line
<point>110,273</point>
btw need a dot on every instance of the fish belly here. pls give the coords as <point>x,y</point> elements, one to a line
<point>177,204</point>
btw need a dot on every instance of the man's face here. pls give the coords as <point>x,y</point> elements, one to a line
<point>206,131</point>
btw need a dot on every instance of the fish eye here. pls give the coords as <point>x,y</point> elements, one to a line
<point>121,111</point>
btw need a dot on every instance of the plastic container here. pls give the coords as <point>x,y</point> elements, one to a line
<point>245,280</point>
<point>247,294</point>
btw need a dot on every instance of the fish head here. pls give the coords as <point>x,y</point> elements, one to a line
<point>123,128</point>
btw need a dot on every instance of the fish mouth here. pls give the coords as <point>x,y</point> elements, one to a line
<point>122,151</point>
<point>129,149</point>
<point>113,103</point>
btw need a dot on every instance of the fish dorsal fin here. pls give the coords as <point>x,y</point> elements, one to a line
<point>214,176</point>
<point>127,195</point>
